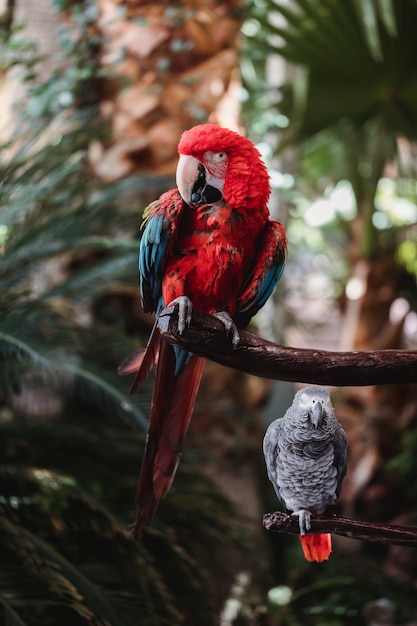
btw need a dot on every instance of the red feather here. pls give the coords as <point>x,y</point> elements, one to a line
<point>220,250</point>
<point>147,360</point>
<point>316,547</point>
<point>132,363</point>
<point>172,405</point>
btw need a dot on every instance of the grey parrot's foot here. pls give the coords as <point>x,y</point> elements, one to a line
<point>230,327</point>
<point>304,517</point>
<point>185,310</point>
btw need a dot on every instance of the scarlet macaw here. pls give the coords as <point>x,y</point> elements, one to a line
<point>305,456</point>
<point>209,245</point>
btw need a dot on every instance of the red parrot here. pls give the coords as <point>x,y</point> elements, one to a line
<point>208,245</point>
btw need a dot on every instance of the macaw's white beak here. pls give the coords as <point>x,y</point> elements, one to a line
<point>193,183</point>
<point>186,176</point>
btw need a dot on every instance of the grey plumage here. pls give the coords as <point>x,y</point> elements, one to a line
<point>305,455</point>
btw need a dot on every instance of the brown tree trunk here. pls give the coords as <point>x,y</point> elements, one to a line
<point>172,66</point>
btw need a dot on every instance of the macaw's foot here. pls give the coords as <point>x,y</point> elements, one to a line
<point>304,517</point>
<point>185,310</point>
<point>230,327</point>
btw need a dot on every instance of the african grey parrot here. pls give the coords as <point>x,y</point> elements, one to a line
<point>305,455</point>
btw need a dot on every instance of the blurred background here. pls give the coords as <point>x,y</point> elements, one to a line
<point>94,95</point>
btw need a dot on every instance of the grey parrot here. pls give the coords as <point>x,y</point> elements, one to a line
<point>305,456</point>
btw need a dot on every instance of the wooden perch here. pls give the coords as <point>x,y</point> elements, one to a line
<point>367,531</point>
<point>206,337</point>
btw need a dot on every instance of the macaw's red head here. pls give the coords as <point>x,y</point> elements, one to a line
<point>218,165</point>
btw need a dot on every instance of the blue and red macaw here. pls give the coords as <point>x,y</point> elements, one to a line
<point>208,245</point>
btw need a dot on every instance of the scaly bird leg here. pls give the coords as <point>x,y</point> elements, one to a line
<point>185,309</point>
<point>304,517</point>
<point>230,327</point>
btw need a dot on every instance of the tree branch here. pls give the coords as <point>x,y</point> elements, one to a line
<point>206,337</point>
<point>367,531</point>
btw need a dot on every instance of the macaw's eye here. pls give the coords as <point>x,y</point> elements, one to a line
<point>219,156</point>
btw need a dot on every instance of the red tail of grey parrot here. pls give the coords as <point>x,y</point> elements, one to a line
<point>316,547</point>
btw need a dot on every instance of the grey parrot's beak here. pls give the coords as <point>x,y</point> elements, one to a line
<point>316,414</point>
<point>193,183</point>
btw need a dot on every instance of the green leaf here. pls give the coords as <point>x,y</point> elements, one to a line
<point>368,20</point>
<point>386,13</point>
<point>62,574</point>
<point>8,616</point>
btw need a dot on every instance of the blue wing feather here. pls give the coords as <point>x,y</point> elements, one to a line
<point>271,279</point>
<point>161,226</point>
<point>152,249</point>
<point>161,220</point>
<point>267,271</point>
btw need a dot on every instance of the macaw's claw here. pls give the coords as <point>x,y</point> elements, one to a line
<point>185,310</point>
<point>230,327</point>
<point>304,517</point>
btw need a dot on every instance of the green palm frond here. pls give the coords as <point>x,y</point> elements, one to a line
<point>96,277</point>
<point>54,212</point>
<point>44,571</point>
<point>105,571</point>
<point>8,616</point>
<point>36,251</point>
<point>175,569</point>
<point>39,345</point>
<point>370,12</point>
<point>350,75</point>
<point>330,40</point>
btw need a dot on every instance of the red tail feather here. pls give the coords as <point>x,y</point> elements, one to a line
<point>171,410</point>
<point>316,547</point>
<point>146,361</point>
<point>131,363</point>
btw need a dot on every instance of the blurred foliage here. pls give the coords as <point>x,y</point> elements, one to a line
<point>347,99</point>
<point>67,557</point>
<point>71,439</point>
<point>332,87</point>
<point>77,78</point>
<point>342,595</point>
<point>404,465</point>
<point>327,39</point>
